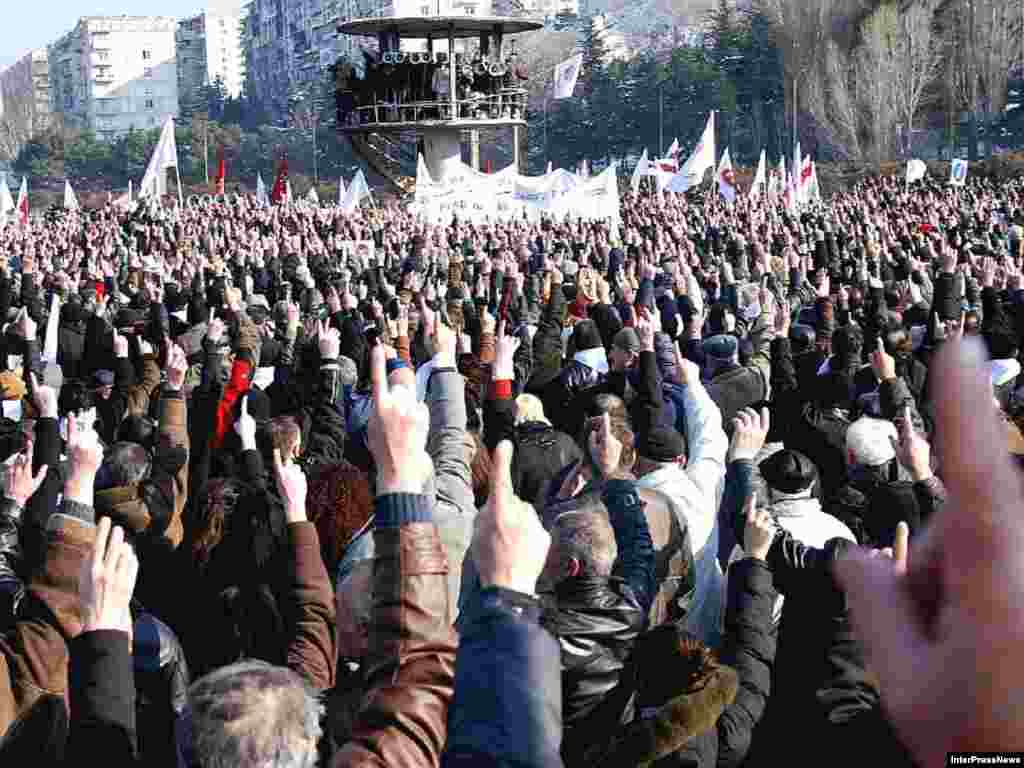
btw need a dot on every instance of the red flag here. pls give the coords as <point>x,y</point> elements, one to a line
<point>23,202</point>
<point>279,193</point>
<point>218,182</point>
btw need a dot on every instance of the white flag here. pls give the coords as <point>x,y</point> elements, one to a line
<point>165,155</point>
<point>814,191</point>
<point>341,189</point>
<point>804,181</point>
<point>288,191</point>
<point>760,178</point>
<point>551,167</point>
<point>777,181</point>
<point>798,158</point>
<point>916,169</point>
<point>703,157</point>
<point>357,190</point>
<point>261,192</point>
<point>958,173</point>
<point>566,75</point>
<point>673,151</point>
<point>70,201</point>
<point>6,200</point>
<point>313,196</point>
<point>726,177</point>
<point>639,172</point>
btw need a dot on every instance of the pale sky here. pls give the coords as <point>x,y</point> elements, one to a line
<point>28,25</point>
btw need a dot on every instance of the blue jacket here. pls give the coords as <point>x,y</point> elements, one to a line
<point>507,709</point>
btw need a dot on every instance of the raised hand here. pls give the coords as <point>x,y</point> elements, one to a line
<point>760,530</point>
<point>120,345</point>
<point>943,631</point>
<point>750,432</point>
<point>245,427</point>
<point>176,367</point>
<point>510,546</point>
<point>883,364</point>
<point>21,484</point>
<point>397,433</point>
<point>107,580</point>
<point>328,341</point>
<point>44,398</point>
<point>505,349</point>
<point>292,485</point>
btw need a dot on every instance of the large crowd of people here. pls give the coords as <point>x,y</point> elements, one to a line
<point>714,485</point>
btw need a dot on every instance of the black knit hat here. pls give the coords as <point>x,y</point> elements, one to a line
<point>586,336</point>
<point>662,444</point>
<point>788,471</point>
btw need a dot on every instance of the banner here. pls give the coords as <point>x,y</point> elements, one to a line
<point>479,197</point>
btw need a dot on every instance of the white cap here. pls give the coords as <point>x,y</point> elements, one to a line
<point>867,439</point>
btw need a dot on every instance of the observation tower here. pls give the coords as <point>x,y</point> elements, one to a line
<point>433,79</point>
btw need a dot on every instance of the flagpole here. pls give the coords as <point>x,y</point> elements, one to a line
<point>177,175</point>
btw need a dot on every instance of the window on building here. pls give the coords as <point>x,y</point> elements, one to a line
<point>147,72</point>
<point>152,121</point>
<point>425,10</point>
<point>146,54</point>
<point>103,55</point>
<point>471,10</point>
<point>149,104</point>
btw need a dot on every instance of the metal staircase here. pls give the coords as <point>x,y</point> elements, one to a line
<point>389,157</point>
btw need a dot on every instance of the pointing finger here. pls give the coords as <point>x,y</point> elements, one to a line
<point>378,373</point>
<point>501,475</point>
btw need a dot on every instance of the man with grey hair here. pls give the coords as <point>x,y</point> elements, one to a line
<point>597,616</point>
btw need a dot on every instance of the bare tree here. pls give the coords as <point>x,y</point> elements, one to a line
<point>919,58</point>
<point>832,99</point>
<point>876,67</point>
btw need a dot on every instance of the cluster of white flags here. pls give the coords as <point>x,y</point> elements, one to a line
<point>348,197</point>
<point>796,189</point>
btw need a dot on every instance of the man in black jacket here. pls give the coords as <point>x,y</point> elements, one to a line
<point>596,616</point>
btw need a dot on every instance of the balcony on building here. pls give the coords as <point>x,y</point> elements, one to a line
<point>406,88</point>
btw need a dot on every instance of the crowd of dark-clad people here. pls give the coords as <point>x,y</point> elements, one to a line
<point>713,485</point>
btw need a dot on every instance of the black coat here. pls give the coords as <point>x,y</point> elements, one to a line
<point>709,721</point>
<point>596,621</point>
<point>821,688</point>
<point>565,399</point>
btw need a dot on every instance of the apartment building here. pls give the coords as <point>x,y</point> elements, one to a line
<point>24,99</point>
<point>209,47</point>
<point>114,73</point>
